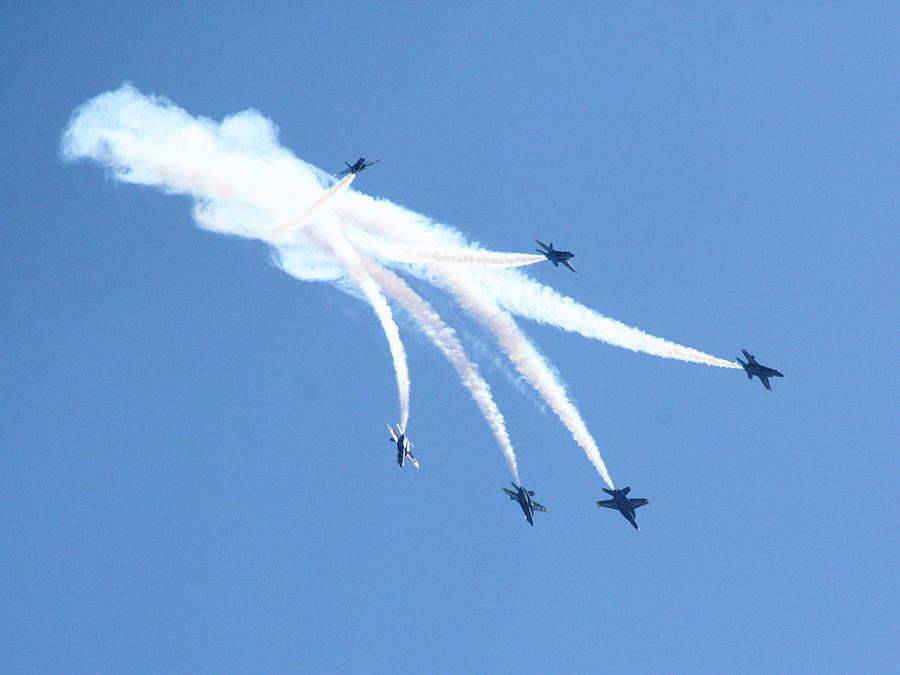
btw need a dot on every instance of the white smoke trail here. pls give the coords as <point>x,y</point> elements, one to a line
<point>298,222</point>
<point>526,359</point>
<point>356,269</point>
<point>527,298</point>
<point>446,340</point>
<point>394,251</point>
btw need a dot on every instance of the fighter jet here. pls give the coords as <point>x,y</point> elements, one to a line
<point>555,256</point>
<point>623,504</point>
<point>524,497</point>
<point>357,166</point>
<point>754,368</point>
<point>404,445</point>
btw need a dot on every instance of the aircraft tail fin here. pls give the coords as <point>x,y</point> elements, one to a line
<point>626,490</point>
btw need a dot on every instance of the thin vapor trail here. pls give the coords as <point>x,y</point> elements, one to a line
<point>529,299</point>
<point>527,360</point>
<point>446,340</point>
<point>398,251</point>
<point>298,222</point>
<point>355,267</point>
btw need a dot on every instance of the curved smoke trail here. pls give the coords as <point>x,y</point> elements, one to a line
<point>446,340</point>
<point>355,267</point>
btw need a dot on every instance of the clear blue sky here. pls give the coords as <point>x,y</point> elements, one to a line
<point>194,468</point>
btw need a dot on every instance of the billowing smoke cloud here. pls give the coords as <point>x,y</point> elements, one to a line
<point>244,183</point>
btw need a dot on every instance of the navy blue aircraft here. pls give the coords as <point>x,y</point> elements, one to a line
<point>404,446</point>
<point>621,503</point>
<point>754,368</point>
<point>524,497</point>
<point>556,256</point>
<point>358,166</point>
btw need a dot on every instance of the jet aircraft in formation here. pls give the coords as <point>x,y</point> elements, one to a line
<point>555,256</point>
<point>524,497</point>
<point>621,503</point>
<point>404,446</point>
<point>357,166</point>
<point>761,371</point>
<point>620,500</point>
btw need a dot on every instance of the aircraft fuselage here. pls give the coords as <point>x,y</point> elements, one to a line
<point>753,367</point>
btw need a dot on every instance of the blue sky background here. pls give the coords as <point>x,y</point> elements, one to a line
<point>194,468</point>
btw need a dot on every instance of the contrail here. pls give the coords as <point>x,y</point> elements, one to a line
<point>355,267</point>
<point>396,251</point>
<point>446,340</point>
<point>529,299</point>
<point>523,355</point>
<point>300,220</point>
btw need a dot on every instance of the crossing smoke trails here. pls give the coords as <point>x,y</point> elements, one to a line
<point>244,183</point>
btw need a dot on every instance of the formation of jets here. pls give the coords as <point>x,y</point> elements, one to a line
<point>620,501</point>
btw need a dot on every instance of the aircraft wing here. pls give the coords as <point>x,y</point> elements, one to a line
<point>538,507</point>
<point>569,265</point>
<point>608,504</point>
<point>413,460</point>
<point>638,502</point>
<point>393,435</point>
<point>512,495</point>
<point>765,380</point>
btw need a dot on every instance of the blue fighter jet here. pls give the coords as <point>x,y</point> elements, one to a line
<point>761,371</point>
<point>621,503</point>
<point>524,497</point>
<point>404,446</point>
<point>357,166</point>
<point>556,256</point>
